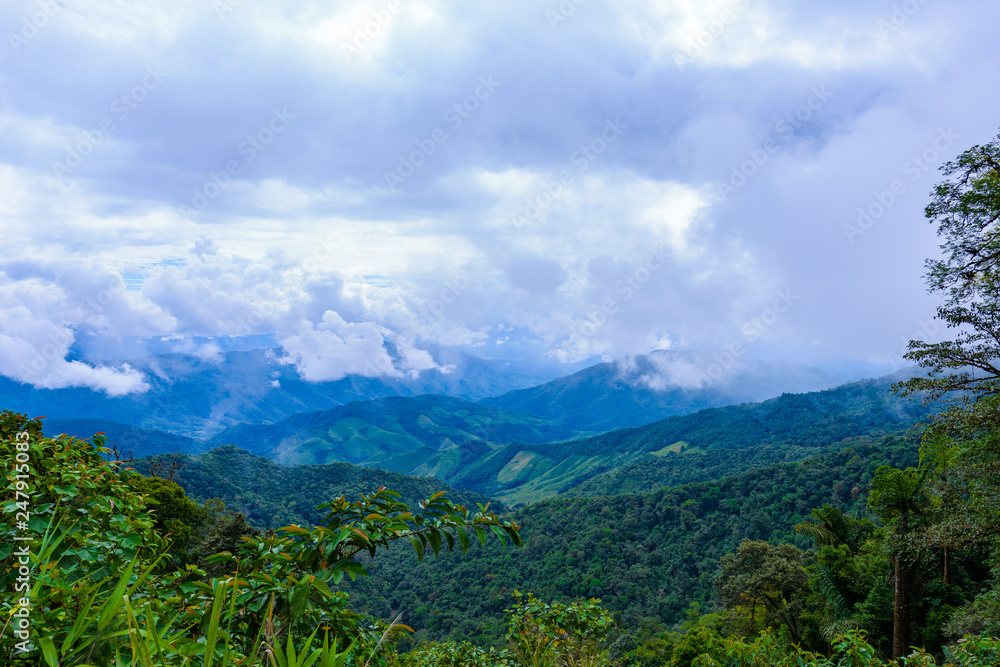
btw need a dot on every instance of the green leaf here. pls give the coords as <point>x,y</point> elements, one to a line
<point>434,537</point>
<point>300,597</point>
<point>49,651</point>
<point>419,546</point>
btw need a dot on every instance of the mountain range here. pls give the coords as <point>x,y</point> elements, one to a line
<point>198,397</point>
<point>637,390</point>
<point>519,458</point>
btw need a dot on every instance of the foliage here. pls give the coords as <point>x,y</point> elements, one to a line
<point>271,495</point>
<point>764,585</point>
<point>965,208</point>
<point>100,590</point>
<point>848,650</point>
<point>456,654</point>
<point>557,635</point>
<point>647,556</point>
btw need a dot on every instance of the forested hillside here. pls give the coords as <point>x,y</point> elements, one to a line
<point>272,495</point>
<point>646,556</point>
<point>429,435</point>
<point>645,388</point>
<point>704,445</point>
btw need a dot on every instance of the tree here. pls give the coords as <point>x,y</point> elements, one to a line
<point>765,582</point>
<point>835,576</point>
<point>93,558</point>
<point>962,446</point>
<point>966,209</point>
<point>832,527</point>
<point>558,635</point>
<point>897,497</point>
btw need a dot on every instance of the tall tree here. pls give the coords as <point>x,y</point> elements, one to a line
<point>963,445</point>
<point>966,209</point>
<point>899,497</point>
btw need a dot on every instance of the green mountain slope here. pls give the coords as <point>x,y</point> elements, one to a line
<point>642,389</point>
<point>428,435</point>
<point>704,445</point>
<point>644,555</point>
<point>273,495</point>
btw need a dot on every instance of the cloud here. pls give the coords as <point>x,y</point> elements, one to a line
<point>35,342</point>
<point>208,352</point>
<point>663,370</point>
<point>336,348</point>
<point>540,206</point>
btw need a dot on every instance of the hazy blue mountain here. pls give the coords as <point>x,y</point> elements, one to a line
<point>198,398</point>
<point>130,439</point>
<point>642,389</point>
<point>425,435</point>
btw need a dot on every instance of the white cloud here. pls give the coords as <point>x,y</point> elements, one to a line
<point>34,344</point>
<point>335,348</point>
<point>308,226</point>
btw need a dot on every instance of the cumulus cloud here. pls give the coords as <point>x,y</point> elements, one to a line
<point>35,339</point>
<point>635,175</point>
<point>335,348</point>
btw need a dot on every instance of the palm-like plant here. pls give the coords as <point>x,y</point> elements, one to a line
<point>898,497</point>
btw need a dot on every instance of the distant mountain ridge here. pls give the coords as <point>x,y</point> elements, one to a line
<point>198,398</point>
<point>519,458</point>
<point>421,435</point>
<point>130,439</point>
<point>711,443</point>
<point>638,390</point>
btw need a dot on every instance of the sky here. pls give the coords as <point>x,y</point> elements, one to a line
<point>357,183</point>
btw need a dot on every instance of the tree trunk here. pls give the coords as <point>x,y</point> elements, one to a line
<point>899,612</point>
<point>947,568</point>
